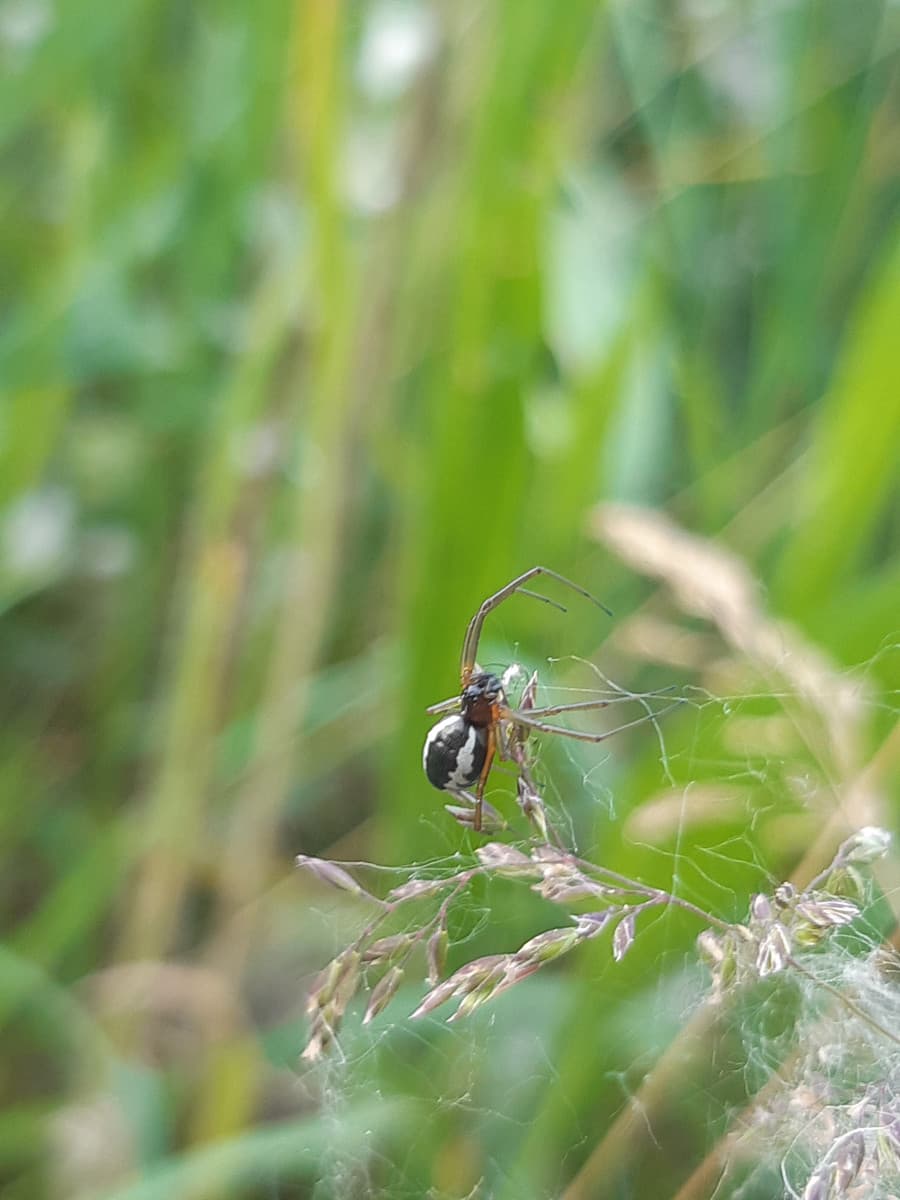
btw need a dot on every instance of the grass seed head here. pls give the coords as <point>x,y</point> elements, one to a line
<point>383,992</point>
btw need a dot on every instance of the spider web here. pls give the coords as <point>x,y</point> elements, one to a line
<point>766,761</point>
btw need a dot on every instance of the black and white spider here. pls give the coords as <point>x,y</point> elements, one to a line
<point>460,749</point>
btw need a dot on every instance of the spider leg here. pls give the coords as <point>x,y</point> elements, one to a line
<point>490,750</point>
<point>473,633</point>
<point>540,596</point>
<point>576,706</point>
<point>580,735</point>
<point>587,705</point>
<point>444,705</point>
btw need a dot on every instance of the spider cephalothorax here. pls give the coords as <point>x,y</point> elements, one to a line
<point>479,699</point>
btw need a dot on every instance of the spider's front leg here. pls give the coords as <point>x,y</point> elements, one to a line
<point>491,750</point>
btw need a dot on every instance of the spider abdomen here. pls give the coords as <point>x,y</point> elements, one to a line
<point>454,753</point>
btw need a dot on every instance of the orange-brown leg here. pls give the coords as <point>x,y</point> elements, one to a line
<point>485,771</point>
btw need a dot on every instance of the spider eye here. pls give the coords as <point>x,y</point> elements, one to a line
<point>454,753</point>
<point>482,687</point>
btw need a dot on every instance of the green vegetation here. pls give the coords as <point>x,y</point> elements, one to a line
<point>320,322</point>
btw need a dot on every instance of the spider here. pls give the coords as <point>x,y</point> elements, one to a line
<point>460,749</point>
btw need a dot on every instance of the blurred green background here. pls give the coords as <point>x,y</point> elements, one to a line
<point>320,321</point>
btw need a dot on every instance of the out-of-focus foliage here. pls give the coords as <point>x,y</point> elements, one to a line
<point>318,322</point>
